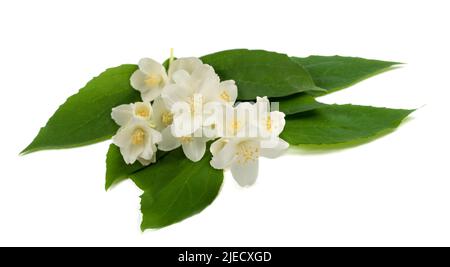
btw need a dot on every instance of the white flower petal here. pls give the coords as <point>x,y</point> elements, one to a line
<point>131,153</point>
<point>156,136</point>
<point>218,145</point>
<point>151,137</point>
<point>246,120</point>
<point>150,66</point>
<point>153,160</point>
<point>263,105</point>
<point>271,124</point>
<point>142,110</point>
<point>224,157</point>
<point>228,91</point>
<point>147,152</point>
<point>184,124</point>
<point>168,142</point>
<point>173,94</point>
<point>145,162</point>
<point>273,150</point>
<point>137,81</point>
<point>278,122</point>
<point>159,109</point>
<point>149,79</point>
<point>136,140</point>
<point>187,64</point>
<point>134,151</point>
<point>181,77</point>
<point>151,94</point>
<point>245,173</point>
<point>122,114</point>
<point>195,149</point>
<point>206,82</point>
<point>122,137</point>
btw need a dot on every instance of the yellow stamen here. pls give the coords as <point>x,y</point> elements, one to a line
<point>247,152</point>
<point>185,139</point>
<point>269,123</point>
<point>138,137</point>
<point>142,111</point>
<point>153,80</point>
<point>167,118</point>
<point>225,96</point>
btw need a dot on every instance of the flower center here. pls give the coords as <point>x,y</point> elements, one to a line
<point>186,139</point>
<point>138,137</point>
<point>225,96</point>
<point>247,152</point>
<point>167,118</point>
<point>153,80</point>
<point>142,111</point>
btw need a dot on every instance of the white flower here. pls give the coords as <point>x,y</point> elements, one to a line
<point>228,91</point>
<point>162,117</point>
<point>136,137</point>
<point>194,94</point>
<point>193,147</point>
<point>137,141</point>
<point>191,99</point>
<point>241,155</point>
<point>188,64</point>
<point>241,147</point>
<point>270,124</point>
<point>125,113</point>
<point>149,79</point>
<point>236,121</point>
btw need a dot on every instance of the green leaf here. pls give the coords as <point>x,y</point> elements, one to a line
<point>335,72</point>
<point>296,103</point>
<point>116,168</point>
<point>335,124</point>
<point>176,188</point>
<point>260,73</point>
<point>85,117</point>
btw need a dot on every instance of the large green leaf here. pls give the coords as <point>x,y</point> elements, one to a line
<point>335,72</point>
<point>260,73</point>
<point>333,124</point>
<point>85,117</point>
<point>176,188</point>
<point>297,103</point>
<point>116,168</point>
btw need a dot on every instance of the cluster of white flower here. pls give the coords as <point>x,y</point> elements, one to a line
<point>188,106</point>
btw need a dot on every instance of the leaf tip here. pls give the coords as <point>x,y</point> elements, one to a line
<point>27,150</point>
<point>107,186</point>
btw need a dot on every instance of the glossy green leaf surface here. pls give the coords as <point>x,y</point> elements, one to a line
<point>176,188</point>
<point>333,124</point>
<point>295,103</point>
<point>260,73</point>
<point>85,117</point>
<point>335,72</point>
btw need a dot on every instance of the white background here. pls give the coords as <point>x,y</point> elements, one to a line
<point>392,191</point>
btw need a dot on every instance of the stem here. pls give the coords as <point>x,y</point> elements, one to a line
<point>171,56</point>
